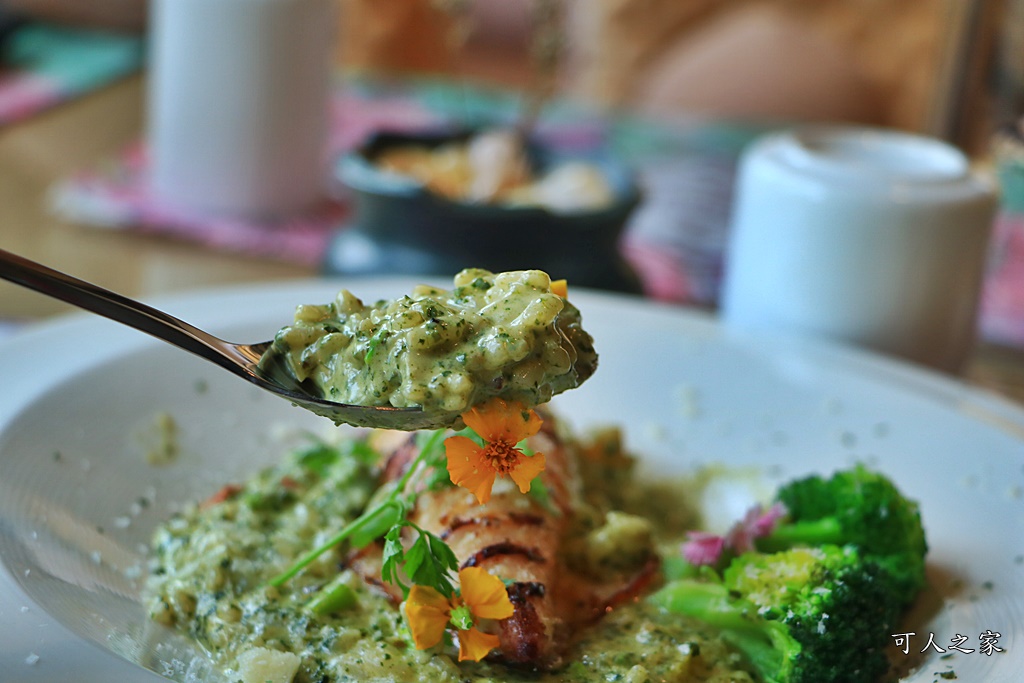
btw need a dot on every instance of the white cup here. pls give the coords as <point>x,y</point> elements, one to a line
<point>872,237</point>
<point>238,103</point>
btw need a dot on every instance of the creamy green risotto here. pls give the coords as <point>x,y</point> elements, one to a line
<point>505,335</point>
<point>213,563</point>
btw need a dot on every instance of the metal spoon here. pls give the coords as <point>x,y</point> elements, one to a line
<point>248,361</point>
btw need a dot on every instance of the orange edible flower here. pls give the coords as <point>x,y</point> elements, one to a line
<point>429,613</point>
<point>501,425</point>
<point>474,644</point>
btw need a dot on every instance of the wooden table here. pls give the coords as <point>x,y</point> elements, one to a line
<point>50,146</point>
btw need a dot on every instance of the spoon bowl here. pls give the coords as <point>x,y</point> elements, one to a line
<point>248,361</point>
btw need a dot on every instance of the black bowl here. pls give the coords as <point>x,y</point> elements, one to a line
<point>400,227</point>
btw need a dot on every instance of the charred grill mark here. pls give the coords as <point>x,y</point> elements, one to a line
<point>519,591</point>
<point>520,518</point>
<point>526,518</point>
<point>502,549</point>
<point>460,522</point>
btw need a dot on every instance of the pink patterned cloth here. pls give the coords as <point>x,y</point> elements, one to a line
<point>43,65</point>
<point>117,194</point>
<point>1002,303</point>
<point>23,94</point>
<point>660,271</point>
<point>119,197</point>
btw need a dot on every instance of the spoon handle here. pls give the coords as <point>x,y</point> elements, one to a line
<point>134,314</point>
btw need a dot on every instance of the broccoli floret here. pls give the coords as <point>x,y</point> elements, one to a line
<point>804,615</point>
<point>856,507</point>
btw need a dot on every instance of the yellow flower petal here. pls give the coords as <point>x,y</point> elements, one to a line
<point>502,425</point>
<point>531,426</point>
<point>480,485</point>
<point>426,612</point>
<point>488,419</point>
<point>497,420</point>
<point>467,468</point>
<point>475,644</point>
<point>527,470</point>
<point>485,594</point>
<point>464,457</point>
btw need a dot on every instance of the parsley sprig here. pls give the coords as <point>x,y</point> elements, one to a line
<point>387,518</point>
<point>428,561</point>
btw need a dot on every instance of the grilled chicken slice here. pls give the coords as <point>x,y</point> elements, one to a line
<point>517,538</point>
<point>520,540</point>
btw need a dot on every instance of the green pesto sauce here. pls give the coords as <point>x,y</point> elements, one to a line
<point>212,563</point>
<point>502,334</point>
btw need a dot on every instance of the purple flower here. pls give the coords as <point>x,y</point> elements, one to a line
<point>703,548</point>
<point>756,524</point>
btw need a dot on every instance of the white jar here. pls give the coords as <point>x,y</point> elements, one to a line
<point>238,106</point>
<point>872,237</point>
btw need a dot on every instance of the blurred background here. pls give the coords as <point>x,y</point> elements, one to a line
<point>675,89</point>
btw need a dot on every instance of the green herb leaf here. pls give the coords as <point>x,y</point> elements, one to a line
<point>375,341</point>
<point>431,564</point>
<point>433,456</point>
<point>387,519</point>
<point>476,438</point>
<point>363,452</point>
<point>377,523</point>
<point>443,552</point>
<point>318,458</point>
<point>415,558</point>
<point>438,478</point>
<point>333,597</point>
<point>393,555</point>
<point>427,562</point>
<point>431,445</point>
<point>361,527</point>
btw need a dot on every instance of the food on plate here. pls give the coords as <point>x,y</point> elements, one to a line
<point>861,508</point>
<point>512,335</point>
<point>812,598</point>
<point>507,548</point>
<point>493,167</point>
<point>516,550</point>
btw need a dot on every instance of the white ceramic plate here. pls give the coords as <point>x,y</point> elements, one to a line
<point>78,499</point>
